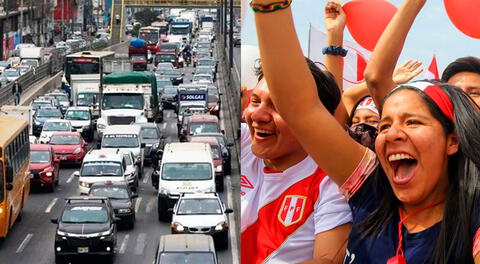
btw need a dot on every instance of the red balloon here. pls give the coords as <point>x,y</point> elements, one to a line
<point>465,15</point>
<point>367,19</point>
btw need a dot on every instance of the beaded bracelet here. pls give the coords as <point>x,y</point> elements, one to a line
<point>272,7</point>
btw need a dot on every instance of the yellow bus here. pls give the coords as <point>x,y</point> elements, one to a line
<point>14,170</point>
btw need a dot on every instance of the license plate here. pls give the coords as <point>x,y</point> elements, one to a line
<point>63,158</point>
<point>82,250</point>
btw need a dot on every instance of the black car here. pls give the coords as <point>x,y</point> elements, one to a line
<point>43,114</point>
<point>169,97</point>
<point>121,198</point>
<point>86,226</point>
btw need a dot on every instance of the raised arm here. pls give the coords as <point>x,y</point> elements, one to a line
<point>335,20</point>
<point>378,73</point>
<point>294,94</point>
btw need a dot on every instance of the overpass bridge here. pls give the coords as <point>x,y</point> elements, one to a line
<point>117,31</point>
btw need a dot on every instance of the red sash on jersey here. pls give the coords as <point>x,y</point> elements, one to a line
<point>280,218</point>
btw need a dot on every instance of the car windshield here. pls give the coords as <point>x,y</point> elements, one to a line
<point>85,214</point>
<point>101,168</point>
<point>39,156</point>
<point>43,112</point>
<point>168,47</point>
<point>77,115</point>
<point>150,133</point>
<point>200,78</point>
<point>206,63</point>
<point>186,171</point>
<point>85,99</point>
<point>204,45</point>
<point>11,73</point>
<point>199,206</point>
<point>170,90</point>
<point>120,141</point>
<point>218,137</point>
<point>56,126</point>
<point>165,71</point>
<point>203,71</point>
<point>128,159</point>
<point>163,83</point>
<point>138,57</point>
<point>197,128</point>
<point>36,105</point>
<point>61,98</point>
<point>165,57</point>
<point>187,258</point>
<point>110,192</point>
<point>120,101</point>
<point>64,140</point>
<point>29,62</point>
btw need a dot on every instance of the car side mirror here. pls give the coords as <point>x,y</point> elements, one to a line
<point>9,174</point>
<point>220,93</point>
<point>56,159</point>
<point>76,173</point>
<point>117,220</point>
<point>9,186</point>
<point>142,145</point>
<point>228,211</point>
<point>223,131</point>
<point>54,220</point>
<point>170,210</point>
<point>73,129</point>
<point>229,144</point>
<point>85,144</point>
<point>98,145</point>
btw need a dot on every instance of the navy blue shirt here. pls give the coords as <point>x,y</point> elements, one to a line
<point>417,247</point>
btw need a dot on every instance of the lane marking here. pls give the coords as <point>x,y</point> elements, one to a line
<point>141,239</point>
<point>123,247</point>
<point>70,178</point>
<point>150,204</point>
<point>233,225</point>
<point>50,206</point>
<point>24,243</point>
<point>145,178</point>
<point>137,204</point>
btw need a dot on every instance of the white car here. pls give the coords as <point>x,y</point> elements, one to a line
<point>54,125</point>
<point>202,79</point>
<point>201,213</point>
<point>132,169</point>
<point>11,74</point>
<point>63,45</point>
<point>100,165</point>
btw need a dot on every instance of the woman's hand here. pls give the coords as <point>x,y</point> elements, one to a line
<point>407,71</point>
<point>335,18</point>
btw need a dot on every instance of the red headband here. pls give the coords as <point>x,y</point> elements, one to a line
<point>435,93</point>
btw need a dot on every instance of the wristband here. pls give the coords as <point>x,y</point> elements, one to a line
<point>272,7</point>
<point>335,50</point>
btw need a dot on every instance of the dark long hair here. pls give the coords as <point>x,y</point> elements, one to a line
<point>454,240</point>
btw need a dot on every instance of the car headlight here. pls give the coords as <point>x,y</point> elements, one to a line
<point>178,227</point>
<point>37,122</point>
<point>163,190</point>
<point>220,226</point>
<point>44,136</point>
<point>125,210</point>
<point>49,174</point>
<point>61,233</point>
<point>218,168</point>
<point>216,107</point>
<point>77,150</point>
<point>101,126</point>
<point>84,184</point>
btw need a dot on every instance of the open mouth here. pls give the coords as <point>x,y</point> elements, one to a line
<point>404,167</point>
<point>263,134</point>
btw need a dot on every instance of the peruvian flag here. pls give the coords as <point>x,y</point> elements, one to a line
<point>432,72</point>
<point>354,63</point>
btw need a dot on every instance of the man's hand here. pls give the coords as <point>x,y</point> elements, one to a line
<point>335,18</point>
<point>407,71</point>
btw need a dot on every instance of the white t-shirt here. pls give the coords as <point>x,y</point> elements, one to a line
<point>283,211</point>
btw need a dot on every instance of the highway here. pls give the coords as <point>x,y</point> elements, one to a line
<point>32,239</point>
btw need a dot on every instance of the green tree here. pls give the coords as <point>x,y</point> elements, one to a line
<point>146,16</point>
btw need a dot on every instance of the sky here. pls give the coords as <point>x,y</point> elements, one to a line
<point>432,32</point>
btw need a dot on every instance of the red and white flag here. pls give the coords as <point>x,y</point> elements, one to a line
<point>432,72</point>
<point>353,64</point>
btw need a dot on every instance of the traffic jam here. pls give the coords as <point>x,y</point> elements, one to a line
<point>131,152</point>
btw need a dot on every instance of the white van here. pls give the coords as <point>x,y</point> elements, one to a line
<point>125,137</point>
<point>185,168</point>
<point>101,165</point>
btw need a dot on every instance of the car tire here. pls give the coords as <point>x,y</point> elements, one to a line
<point>109,259</point>
<point>51,188</point>
<point>163,215</point>
<point>131,224</point>
<point>220,184</point>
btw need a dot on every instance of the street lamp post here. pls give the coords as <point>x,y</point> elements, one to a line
<point>21,21</point>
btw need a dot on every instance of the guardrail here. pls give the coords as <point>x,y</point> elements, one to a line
<point>212,3</point>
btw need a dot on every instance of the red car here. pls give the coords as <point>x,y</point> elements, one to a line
<point>69,147</point>
<point>44,166</point>
<point>217,158</point>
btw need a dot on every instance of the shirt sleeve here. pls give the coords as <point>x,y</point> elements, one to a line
<point>365,168</point>
<point>476,243</point>
<point>331,209</point>
<point>245,140</point>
